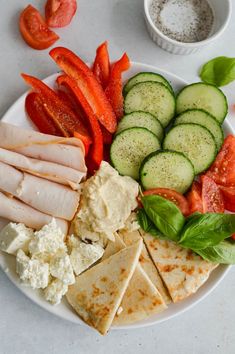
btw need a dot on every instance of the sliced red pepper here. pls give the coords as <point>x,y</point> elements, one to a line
<point>61,114</point>
<point>114,89</point>
<point>101,67</point>
<point>107,136</point>
<point>95,155</point>
<point>90,88</point>
<point>36,112</point>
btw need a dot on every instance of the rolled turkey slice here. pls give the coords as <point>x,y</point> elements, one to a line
<point>64,151</point>
<point>49,170</point>
<point>46,196</point>
<point>16,211</point>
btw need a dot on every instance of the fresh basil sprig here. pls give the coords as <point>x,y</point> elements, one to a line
<point>223,253</point>
<point>165,215</point>
<point>206,230</point>
<point>219,71</point>
<point>147,225</point>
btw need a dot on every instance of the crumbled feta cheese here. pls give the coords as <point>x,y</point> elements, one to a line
<point>84,255</point>
<point>61,268</point>
<point>32,272</point>
<point>14,237</point>
<point>55,291</point>
<point>131,223</point>
<point>48,240</point>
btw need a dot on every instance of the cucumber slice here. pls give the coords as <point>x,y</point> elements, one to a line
<point>194,141</point>
<point>198,116</point>
<point>144,120</point>
<point>130,147</point>
<point>203,96</point>
<point>167,169</point>
<point>143,77</point>
<point>151,97</point>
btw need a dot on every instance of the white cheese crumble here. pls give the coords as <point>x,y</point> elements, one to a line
<point>55,291</point>
<point>61,268</point>
<point>14,237</point>
<point>32,272</point>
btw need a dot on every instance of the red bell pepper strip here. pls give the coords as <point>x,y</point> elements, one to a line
<point>90,88</point>
<point>61,114</point>
<point>95,155</point>
<point>107,136</point>
<point>101,66</point>
<point>36,112</point>
<point>114,89</point>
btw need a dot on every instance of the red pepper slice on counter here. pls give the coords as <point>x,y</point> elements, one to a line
<point>90,88</point>
<point>194,197</point>
<point>101,66</point>
<point>95,155</point>
<point>178,199</point>
<point>61,114</point>
<point>114,89</point>
<point>212,199</point>
<point>34,29</point>
<point>228,194</point>
<point>59,13</point>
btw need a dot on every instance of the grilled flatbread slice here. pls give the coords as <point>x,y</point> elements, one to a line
<point>98,292</point>
<point>141,298</point>
<point>147,264</point>
<point>183,271</point>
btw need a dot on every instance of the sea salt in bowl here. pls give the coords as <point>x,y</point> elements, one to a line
<point>221,13</point>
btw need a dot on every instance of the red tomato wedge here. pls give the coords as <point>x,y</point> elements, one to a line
<point>34,29</point>
<point>61,114</point>
<point>194,198</point>
<point>212,199</point>
<point>223,169</point>
<point>95,155</point>
<point>114,89</point>
<point>228,194</point>
<point>101,66</point>
<point>59,13</point>
<point>90,88</point>
<point>178,199</point>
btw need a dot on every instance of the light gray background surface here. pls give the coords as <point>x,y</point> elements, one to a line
<point>25,328</point>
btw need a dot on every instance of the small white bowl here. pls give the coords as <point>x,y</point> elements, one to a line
<point>222,10</point>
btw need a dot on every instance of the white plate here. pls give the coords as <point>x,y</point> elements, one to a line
<point>16,115</point>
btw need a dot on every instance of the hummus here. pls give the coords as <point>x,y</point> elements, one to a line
<point>106,203</point>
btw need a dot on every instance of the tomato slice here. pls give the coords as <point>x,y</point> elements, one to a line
<point>212,199</point>
<point>101,66</point>
<point>194,198</point>
<point>34,29</point>
<point>228,194</point>
<point>178,199</point>
<point>223,169</point>
<point>59,13</point>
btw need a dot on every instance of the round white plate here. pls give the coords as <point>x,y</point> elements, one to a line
<point>16,115</point>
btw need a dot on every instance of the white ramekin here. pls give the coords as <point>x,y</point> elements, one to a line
<point>222,12</point>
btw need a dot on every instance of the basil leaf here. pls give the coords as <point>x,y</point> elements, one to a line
<point>165,215</point>
<point>223,253</point>
<point>219,71</point>
<point>147,225</point>
<point>205,230</point>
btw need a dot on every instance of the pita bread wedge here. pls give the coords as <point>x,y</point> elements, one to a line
<point>183,271</point>
<point>147,264</point>
<point>141,298</point>
<point>98,292</point>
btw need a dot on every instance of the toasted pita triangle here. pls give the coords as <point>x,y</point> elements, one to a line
<point>147,264</point>
<point>141,298</point>
<point>183,271</point>
<point>97,293</point>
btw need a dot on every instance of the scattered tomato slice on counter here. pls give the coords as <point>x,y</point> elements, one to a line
<point>114,89</point>
<point>101,66</point>
<point>95,155</point>
<point>212,200</point>
<point>90,88</point>
<point>178,199</point>
<point>228,194</point>
<point>34,29</point>
<point>223,169</point>
<point>59,13</point>
<point>194,198</point>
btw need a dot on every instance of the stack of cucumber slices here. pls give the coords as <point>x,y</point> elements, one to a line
<point>171,158</point>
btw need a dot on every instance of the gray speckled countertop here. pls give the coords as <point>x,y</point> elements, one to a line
<point>24,327</point>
